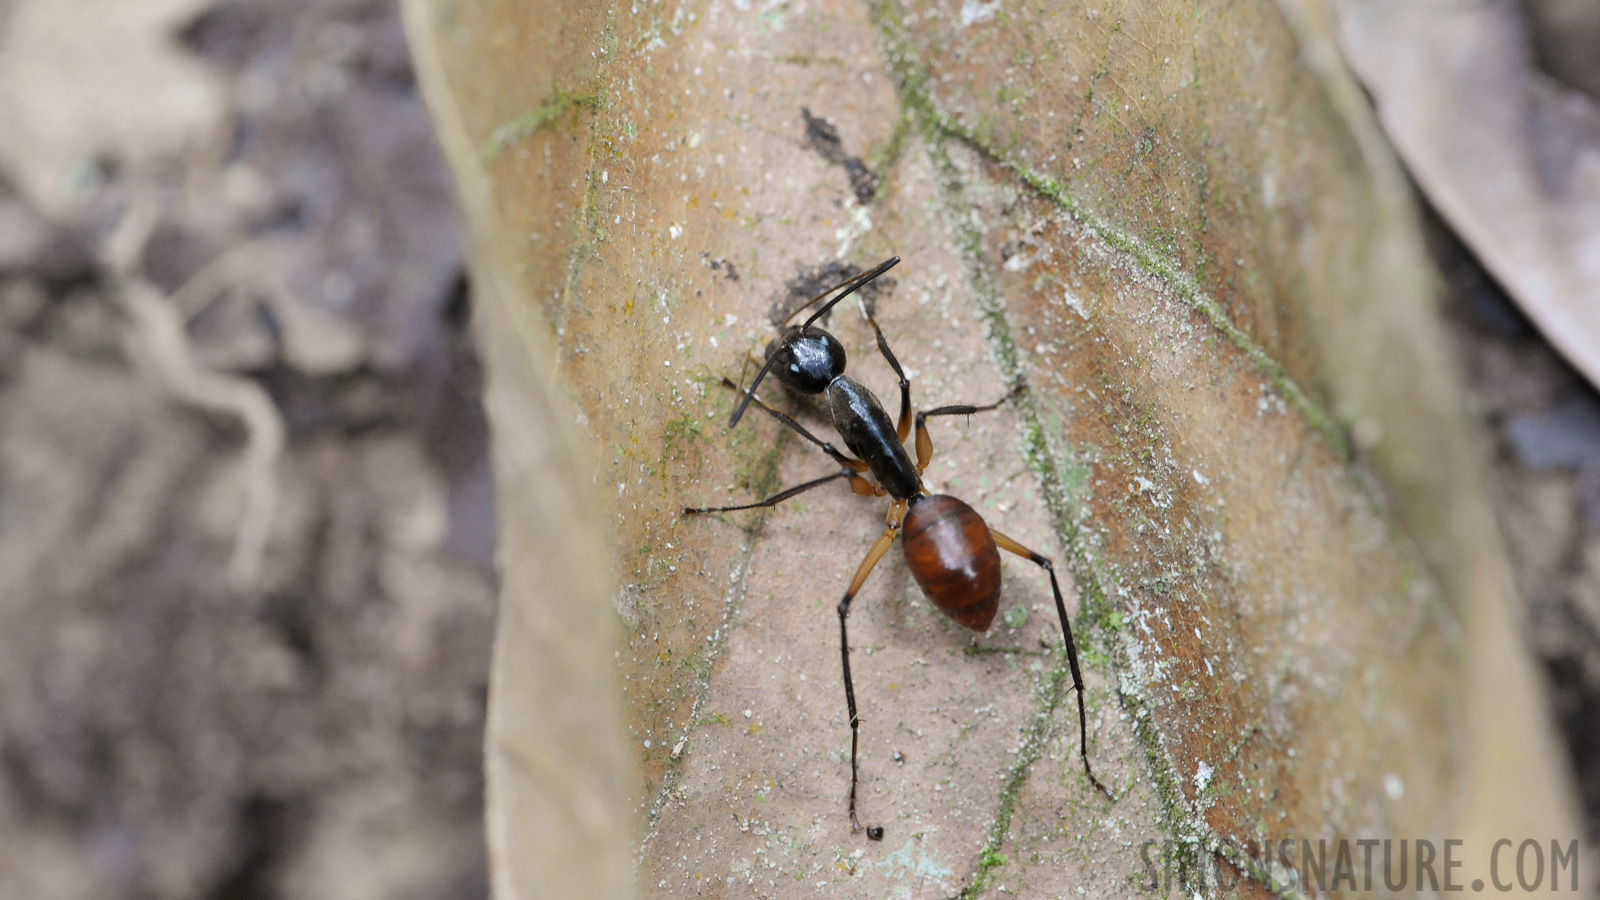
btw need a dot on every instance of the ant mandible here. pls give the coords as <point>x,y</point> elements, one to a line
<point>953,554</point>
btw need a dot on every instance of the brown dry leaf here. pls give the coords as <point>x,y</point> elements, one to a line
<point>1175,224</point>
<point>83,82</point>
<point>1510,158</point>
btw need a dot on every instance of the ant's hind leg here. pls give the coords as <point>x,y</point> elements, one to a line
<point>1005,543</point>
<point>879,548</point>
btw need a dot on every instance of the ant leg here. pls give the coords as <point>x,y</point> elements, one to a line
<point>855,465</point>
<point>775,499</point>
<point>1005,543</point>
<point>904,428</point>
<point>879,547</point>
<point>925,443</point>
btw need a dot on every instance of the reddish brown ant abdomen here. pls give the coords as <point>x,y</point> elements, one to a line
<point>951,554</point>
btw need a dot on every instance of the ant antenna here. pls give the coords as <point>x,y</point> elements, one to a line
<point>850,286</point>
<point>749,394</point>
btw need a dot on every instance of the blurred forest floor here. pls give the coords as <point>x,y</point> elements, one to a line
<point>182,719</point>
<point>1543,420</point>
<point>317,733</point>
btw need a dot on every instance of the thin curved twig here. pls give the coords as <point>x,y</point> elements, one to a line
<point>160,326</point>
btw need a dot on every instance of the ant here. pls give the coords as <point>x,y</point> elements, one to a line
<point>953,554</point>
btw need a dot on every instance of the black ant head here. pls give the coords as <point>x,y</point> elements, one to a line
<point>806,360</point>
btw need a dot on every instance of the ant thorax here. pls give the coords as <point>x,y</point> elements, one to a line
<point>870,434</point>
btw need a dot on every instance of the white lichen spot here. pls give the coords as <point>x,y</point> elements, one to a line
<point>1393,786</point>
<point>1075,304</point>
<point>1270,403</point>
<point>1202,775</point>
<point>1198,478</point>
<point>917,862</point>
<point>675,231</point>
<point>975,13</point>
<point>860,223</point>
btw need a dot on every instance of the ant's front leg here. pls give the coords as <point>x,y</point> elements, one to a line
<point>777,498</point>
<point>849,468</point>
<point>854,465</point>
<point>904,427</point>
